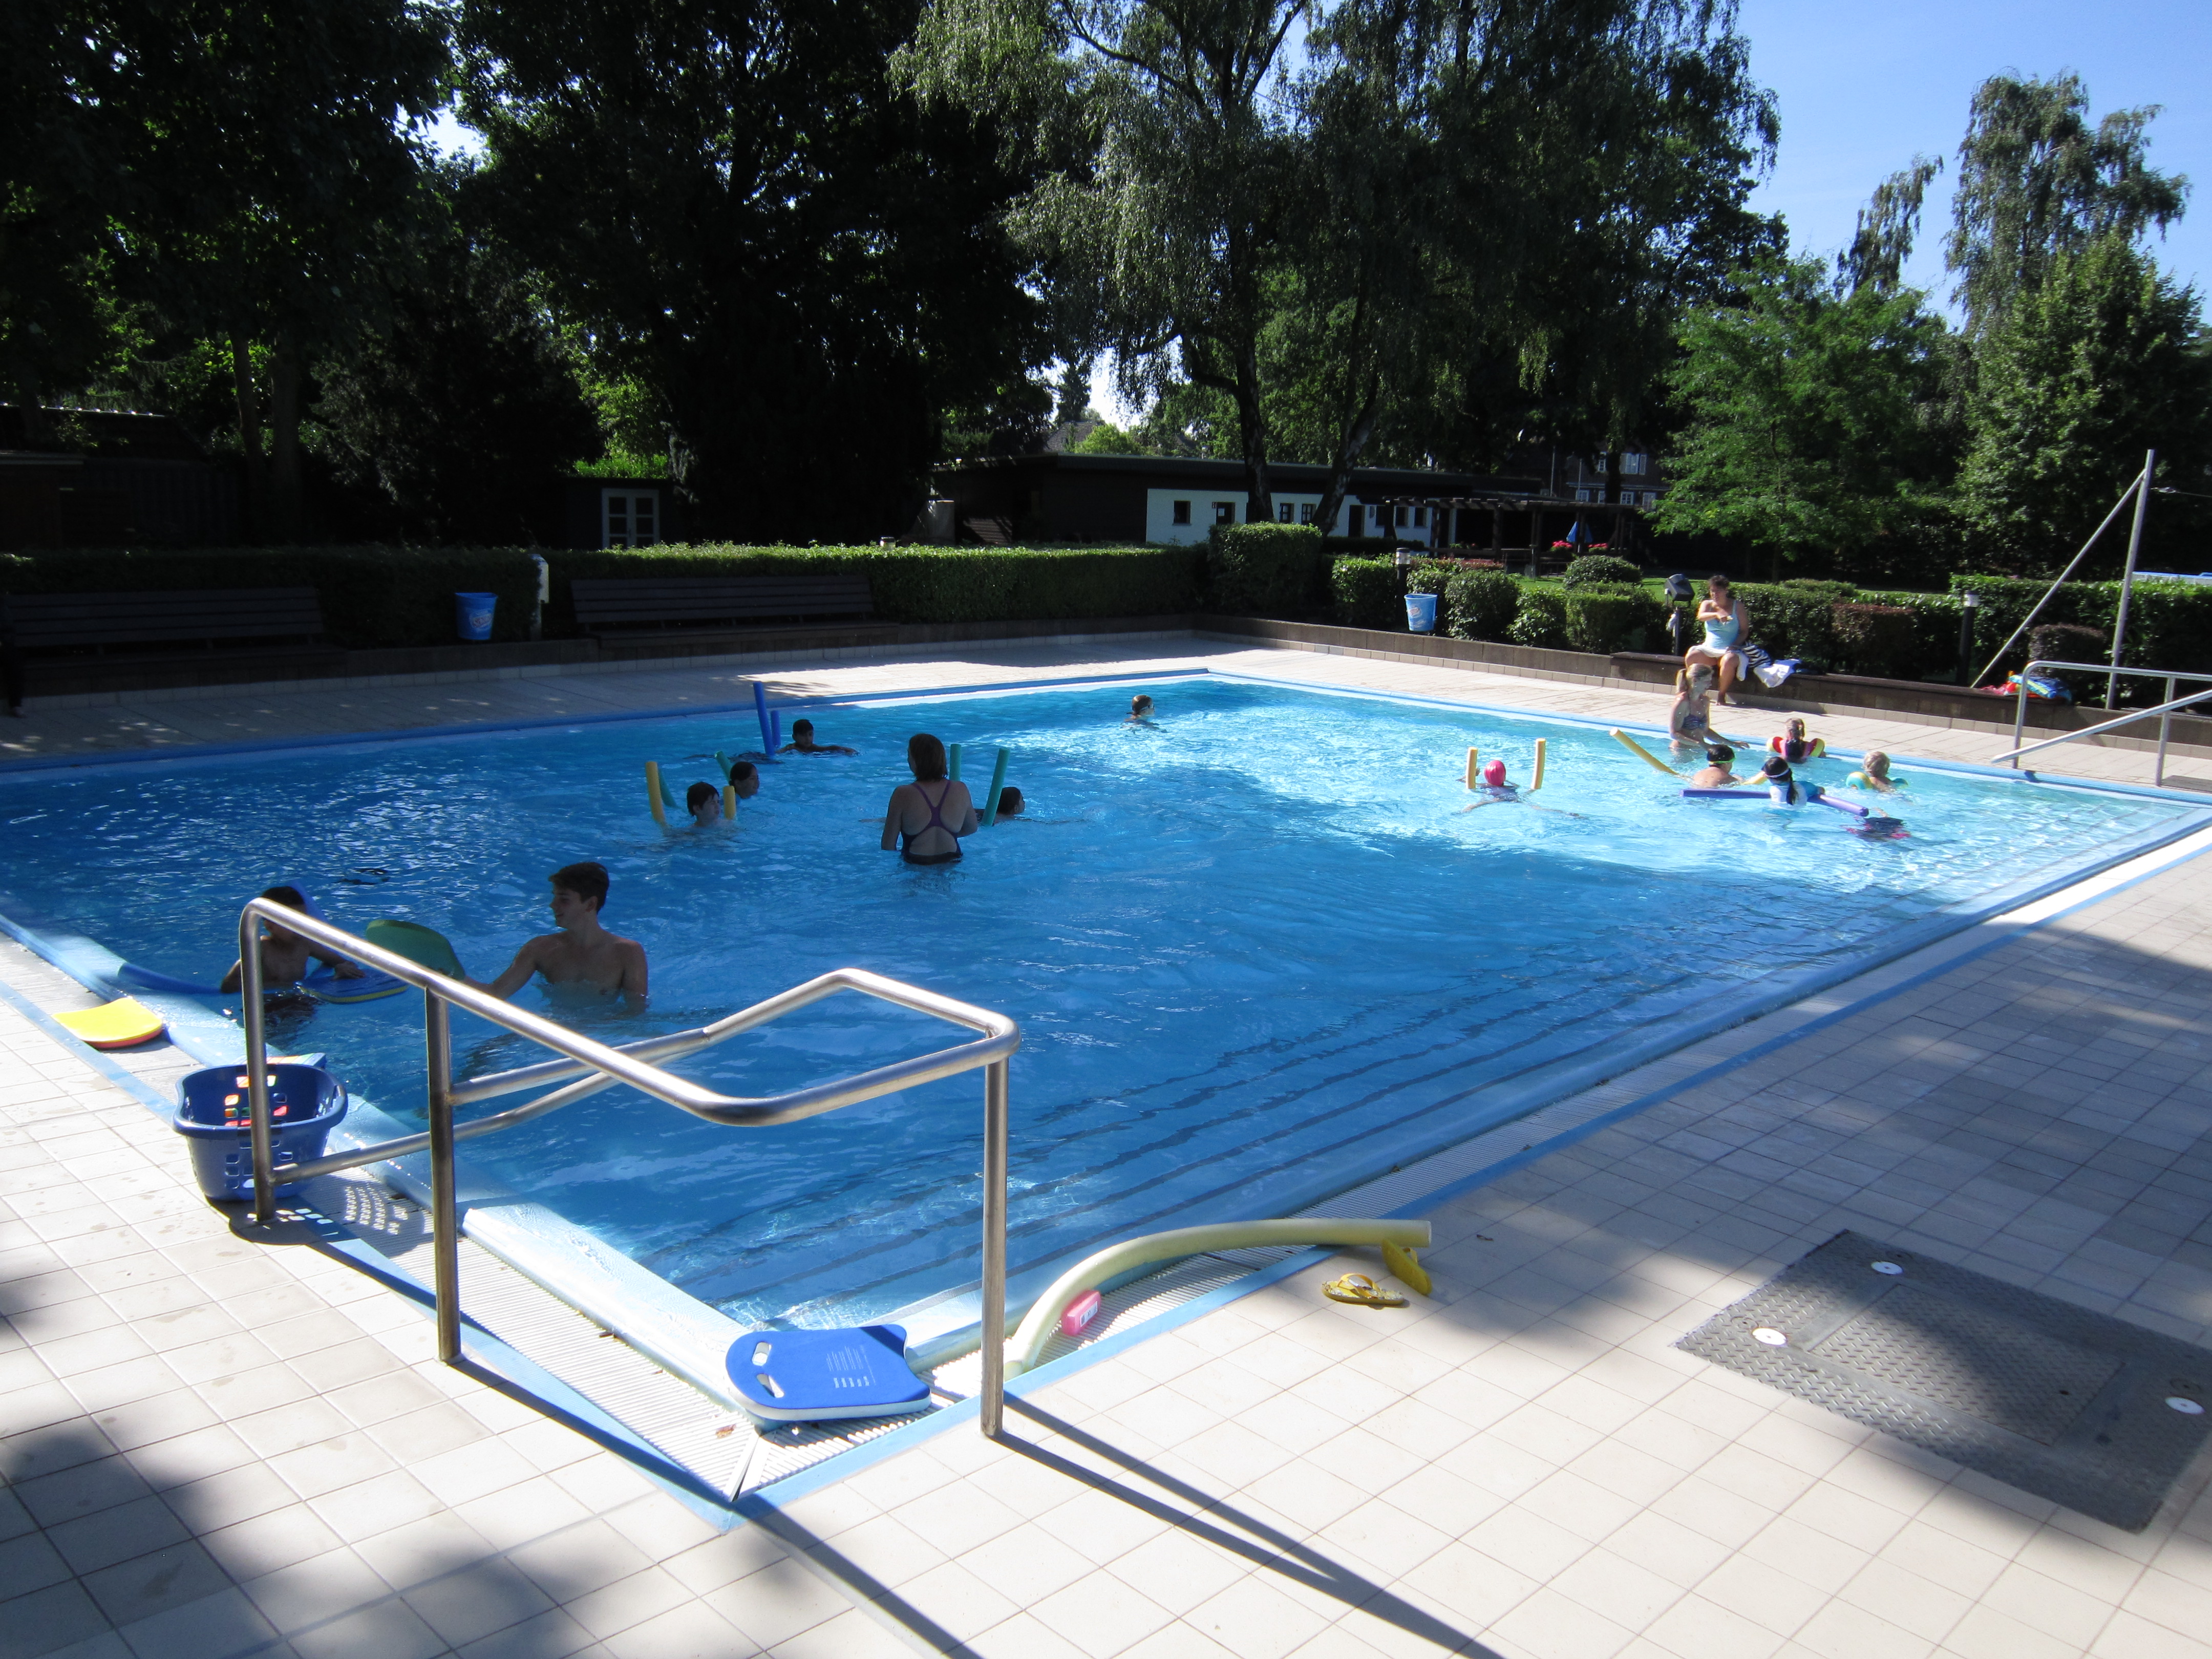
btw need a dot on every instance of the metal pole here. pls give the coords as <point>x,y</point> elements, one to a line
<point>992,1412</point>
<point>2062,575</point>
<point>2019,715</point>
<point>2128,577</point>
<point>445,1223</point>
<point>257,1066</point>
<point>1970,605</point>
<point>2164,731</point>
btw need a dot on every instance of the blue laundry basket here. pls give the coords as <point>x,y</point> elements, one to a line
<point>305,1104</point>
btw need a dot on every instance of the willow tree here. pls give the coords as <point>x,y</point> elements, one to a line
<point>2039,184</point>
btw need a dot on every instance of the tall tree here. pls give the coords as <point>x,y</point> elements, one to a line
<point>1888,225</point>
<point>2037,183</point>
<point>2103,360</point>
<point>738,210</point>
<point>1808,410</point>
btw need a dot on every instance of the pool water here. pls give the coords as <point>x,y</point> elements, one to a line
<point>1260,950</point>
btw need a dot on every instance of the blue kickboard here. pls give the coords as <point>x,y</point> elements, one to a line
<point>812,1376</point>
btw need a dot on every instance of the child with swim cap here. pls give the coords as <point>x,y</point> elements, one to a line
<point>1719,772</point>
<point>1782,782</point>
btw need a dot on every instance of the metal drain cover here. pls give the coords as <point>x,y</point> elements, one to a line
<point>2059,1402</point>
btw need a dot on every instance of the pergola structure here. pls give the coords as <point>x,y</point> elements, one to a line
<point>1537,507</point>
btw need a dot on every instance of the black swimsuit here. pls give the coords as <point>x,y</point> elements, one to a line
<point>907,841</point>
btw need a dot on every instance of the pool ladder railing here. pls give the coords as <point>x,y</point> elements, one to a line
<point>596,1066</point>
<point>2165,711</point>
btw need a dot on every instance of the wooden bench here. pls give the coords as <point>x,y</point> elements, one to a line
<point>75,642</point>
<point>684,607</point>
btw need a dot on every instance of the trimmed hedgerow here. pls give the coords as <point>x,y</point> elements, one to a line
<point>1483,603</point>
<point>1541,620</point>
<point>1596,569</point>
<point>1367,594</point>
<point>382,595</point>
<point>1604,620</point>
<point>1264,569</point>
<point>1880,640</point>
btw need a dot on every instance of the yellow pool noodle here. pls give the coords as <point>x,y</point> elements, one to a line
<point>730,802</point>
<point>1536,783</point>
<point>652,792</point>
<point>1473,757</point>
<point>1646,754</point>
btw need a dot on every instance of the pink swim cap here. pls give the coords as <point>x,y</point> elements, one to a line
<point>1493,772</point>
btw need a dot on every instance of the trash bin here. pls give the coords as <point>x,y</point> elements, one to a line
<point>472,615</point>
<point>1420,613</point>
<point>305,1104</point>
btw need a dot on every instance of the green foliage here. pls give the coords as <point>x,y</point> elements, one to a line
<point>1107,439</point>
<point>1809,413</point>
<point>2169,624</point>
<point>1598,568</point>
<point>1482,604</point>
<point>379,596</point>
<point>1834,592</point>
<point>1607,619</point>
<point>1264,569</point>
<point>1542,621</point>
<point>2096,364</point>
<point>1789,622</point>
<point>1368,594</point>
<point>1881,639</point>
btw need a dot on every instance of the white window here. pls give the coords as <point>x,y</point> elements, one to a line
<point>629,517</point>
<point>1183,512</point>
<point>1224,513</point>
<point>1633,464</point>
<point>1585,495</point>
<point>1306,512</point>
<point>1283,511</point>
<point>1598,465</point>
<point>1420,518</point>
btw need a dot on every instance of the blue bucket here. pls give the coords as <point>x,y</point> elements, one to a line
<point>1420,613</point>
<point>472,615</point>
<point>305,1104</point>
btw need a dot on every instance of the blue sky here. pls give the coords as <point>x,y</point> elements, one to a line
<point>1863,86</point>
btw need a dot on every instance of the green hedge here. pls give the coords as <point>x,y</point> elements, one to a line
<point>1265,569</point>
<point>375,596</point>
<point>1368,593</point>
<point>1597,569</point>
<point>2169,624</point>
<point>1541,620</point>
<point>1482,604</point>
<point>1606,619</point>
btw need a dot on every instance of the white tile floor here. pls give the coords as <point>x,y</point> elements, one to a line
<point>214,1448</point>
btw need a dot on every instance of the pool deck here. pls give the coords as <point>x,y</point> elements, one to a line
<point>214,1447</point>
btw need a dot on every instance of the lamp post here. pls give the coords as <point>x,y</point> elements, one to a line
<point>1970,605</point>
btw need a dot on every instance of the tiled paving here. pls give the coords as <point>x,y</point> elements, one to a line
<point>212,1447</point>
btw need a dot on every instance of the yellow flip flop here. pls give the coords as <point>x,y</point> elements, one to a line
<point>1359,1289</point>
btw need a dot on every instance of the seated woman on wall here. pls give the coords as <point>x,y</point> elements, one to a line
<point>1721,648</point>
<point>926,818</point>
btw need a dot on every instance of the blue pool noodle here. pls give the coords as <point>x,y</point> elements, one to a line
<point>998,782</point>
<point>760,708</point>
<point>774,730</point>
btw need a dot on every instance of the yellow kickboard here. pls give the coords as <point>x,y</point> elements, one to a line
<point>120,1024</point>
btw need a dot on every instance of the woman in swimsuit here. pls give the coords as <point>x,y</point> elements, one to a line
<point>1721,647</point>
<point>926,818</point>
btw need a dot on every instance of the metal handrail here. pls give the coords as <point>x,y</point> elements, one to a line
<point>603,1067</point>
<point>2165,711</point>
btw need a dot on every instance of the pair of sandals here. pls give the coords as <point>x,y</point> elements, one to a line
<point>1361,1291</point>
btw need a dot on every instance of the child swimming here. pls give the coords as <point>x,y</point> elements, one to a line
<point>1874,774</point>
<point>1794,746</point>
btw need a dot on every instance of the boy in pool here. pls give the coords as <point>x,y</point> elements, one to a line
<point>1141,710</point>
<point>582,952</point>
<point>284,954</point>
<point>1010,802</point>
<point>744,780</point>
<point>1719,773</point>
<point>802,742</point>
<point>704,803</point>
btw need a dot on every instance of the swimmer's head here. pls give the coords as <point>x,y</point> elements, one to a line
<point>702,794</point>
<point>1795,727</point>
<point>1701,676</point>
<point>1719,754</point>
<point>744,778</point>
<point>1776,770</point>
<point>291,897</point>
<point>586,881</point>
<point>1010,802</point>
<point>924,753</point>
<point>1877,763</point>
<point>1493,772</point>
<point>1140,705</point>
<point>802,730</point>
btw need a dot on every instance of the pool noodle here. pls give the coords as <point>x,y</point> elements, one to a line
<point>1473,756</point>
<point>760,708</point>
<point>952,771</point>
<point>998,782</point>
<point>654,789</point>
<point>730,802</point>
<point>1537,782</point>
<point>1725,794</point>
<point>1642,753</point>
<point>774,730</point>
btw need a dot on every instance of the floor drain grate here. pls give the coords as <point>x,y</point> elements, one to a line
<point>2076,1407</point>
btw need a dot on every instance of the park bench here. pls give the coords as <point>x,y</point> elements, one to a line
<point>633,610</point>
<point>77,641</point>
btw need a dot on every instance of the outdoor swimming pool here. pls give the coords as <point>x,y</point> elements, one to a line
<point>1258,951</point>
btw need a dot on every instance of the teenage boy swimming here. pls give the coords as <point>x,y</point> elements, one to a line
<point>582,952</point>
<point>704,803</point>
<point>802,742</point>
<point>284,954</point>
